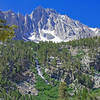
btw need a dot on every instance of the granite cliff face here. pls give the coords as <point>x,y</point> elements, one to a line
<point>47,25</point>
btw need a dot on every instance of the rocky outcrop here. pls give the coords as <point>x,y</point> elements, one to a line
<point>97,80</point>
<point>28,86</point>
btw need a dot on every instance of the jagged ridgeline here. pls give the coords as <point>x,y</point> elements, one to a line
<point>66,71</point>
<point>45,24</point>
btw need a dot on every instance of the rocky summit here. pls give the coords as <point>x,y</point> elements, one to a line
<point>45,24</point>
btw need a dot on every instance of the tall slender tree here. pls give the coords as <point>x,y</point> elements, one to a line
<point>63,95</point>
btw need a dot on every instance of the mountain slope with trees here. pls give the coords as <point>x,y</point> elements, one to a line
<point>75,63</point>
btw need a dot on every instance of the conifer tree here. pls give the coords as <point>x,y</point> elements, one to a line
<point>6,31</point>
<point>63,95</point>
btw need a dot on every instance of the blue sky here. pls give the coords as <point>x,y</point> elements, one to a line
<point>86,11</point>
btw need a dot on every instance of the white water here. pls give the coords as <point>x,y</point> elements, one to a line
<point>39,71</point>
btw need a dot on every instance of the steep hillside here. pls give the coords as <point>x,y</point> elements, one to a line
<point>47,70</point>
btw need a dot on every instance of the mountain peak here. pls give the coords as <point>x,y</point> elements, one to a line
<point>39,7</point>
<point>49,10</point>
<point>45,24</point>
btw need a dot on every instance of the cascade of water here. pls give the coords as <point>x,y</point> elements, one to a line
<point>39,71</point>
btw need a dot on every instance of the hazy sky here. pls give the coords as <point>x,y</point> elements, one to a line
<point>86,11</point>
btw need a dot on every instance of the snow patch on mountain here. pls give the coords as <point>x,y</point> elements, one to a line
<point>96,30</point>
<point>45,35</point>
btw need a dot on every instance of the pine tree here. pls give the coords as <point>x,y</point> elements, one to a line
<point>6,31</point>
<point>63,95</point>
